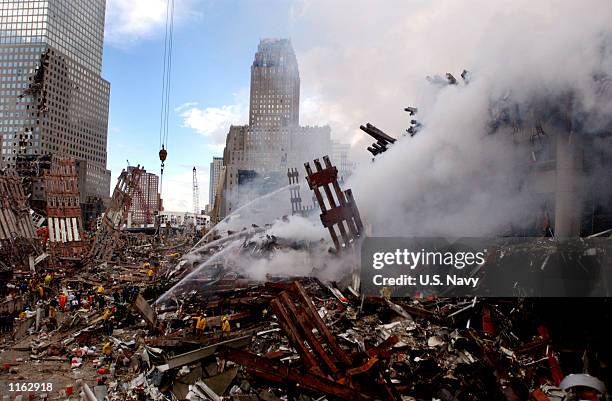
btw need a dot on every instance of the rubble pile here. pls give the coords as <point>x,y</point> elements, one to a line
<point>153,317</point>
<point>295,338</point>
<point>319,344</point>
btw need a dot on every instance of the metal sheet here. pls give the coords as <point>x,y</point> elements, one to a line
<point>69,229</point>
<point>145,309</point>
<point>58,236</point>
<point>196,355</point>
<point>4,232</point>
<point>51,229</point>
<point>62,225</point>
<point>75,228</point>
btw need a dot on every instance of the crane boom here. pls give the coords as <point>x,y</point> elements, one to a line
<point>196,193</point>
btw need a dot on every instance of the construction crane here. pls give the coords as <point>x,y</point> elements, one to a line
<point>196,193</point>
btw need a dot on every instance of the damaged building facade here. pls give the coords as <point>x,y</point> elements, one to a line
<point>53,100</point>
<point>568,166</point>
<point>147,202</point>
<point>256,156</point>
<point>570,177</point>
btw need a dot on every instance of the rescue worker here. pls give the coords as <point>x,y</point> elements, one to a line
<point>100,297</point>
<point>108,325</point>
<point>200,324</point>
<point>90,301</point>
<point>107,350</point>
<point>225,324</point>
<point>150,274</point>
<point>41,292</point>
<point>62,301</point>
<point>23,315</point>
<point>48,279</point>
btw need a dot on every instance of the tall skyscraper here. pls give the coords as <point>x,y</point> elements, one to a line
<point>53,99</point>
<point>256,156</point>
<point>215,170</point>
<point>275,85</point>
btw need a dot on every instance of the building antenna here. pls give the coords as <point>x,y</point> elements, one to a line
<point>165,98</point>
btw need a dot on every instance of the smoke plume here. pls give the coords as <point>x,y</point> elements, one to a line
<point>454,177</point>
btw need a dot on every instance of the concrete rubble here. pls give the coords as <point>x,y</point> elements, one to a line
<point>148,317</point>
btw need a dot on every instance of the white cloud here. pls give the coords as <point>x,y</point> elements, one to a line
<point>185,106</point>
<point>209,120</point>
<point>214,122</point>
<point>131,20</point>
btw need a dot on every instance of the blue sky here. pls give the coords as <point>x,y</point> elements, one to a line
<point>359,60</point>
<point>214,44</point>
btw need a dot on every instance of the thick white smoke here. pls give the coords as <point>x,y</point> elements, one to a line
<point>452,178</point>
<point>364,61</point>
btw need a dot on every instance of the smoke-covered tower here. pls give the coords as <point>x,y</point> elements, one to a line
<point>275,85</point>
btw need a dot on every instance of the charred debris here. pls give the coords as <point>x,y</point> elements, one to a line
<point>99,315</point>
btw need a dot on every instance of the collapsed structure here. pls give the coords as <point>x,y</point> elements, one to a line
<point>63,211</point>
<point>120,315</point>
<point>18,238</point>
<point>108,235</point>
<point>139,322</point>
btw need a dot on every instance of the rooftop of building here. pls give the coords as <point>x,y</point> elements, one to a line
<point>275,53</point>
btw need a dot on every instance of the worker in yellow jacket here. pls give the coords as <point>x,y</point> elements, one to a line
<point>107,322</point>
<point>100,297</point>
<point>225,324</point>
<point>200,324</point>
<point>107,349</point>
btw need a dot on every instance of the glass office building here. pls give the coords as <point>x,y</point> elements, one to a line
<point>53,99</point>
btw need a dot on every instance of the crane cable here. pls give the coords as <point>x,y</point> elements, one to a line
<point>165,98</point>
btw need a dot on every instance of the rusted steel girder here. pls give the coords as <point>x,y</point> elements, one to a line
<point>491,361</point>
<point>295,336</point>
<point>382,140</point>
<point>294,193</point>
<point>315,318</point>
<point>63,210</point>
<point>18,239</point>
<point>329,368</point>
<point>107,235</point>
<point>268,370</point>
<point>340,210</point>
<point>303,320</point>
